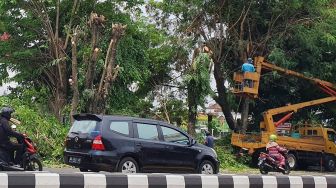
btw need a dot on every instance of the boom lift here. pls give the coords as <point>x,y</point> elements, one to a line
<point>310,144</point>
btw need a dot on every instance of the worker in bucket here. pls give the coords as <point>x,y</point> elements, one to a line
<point>248,67</point>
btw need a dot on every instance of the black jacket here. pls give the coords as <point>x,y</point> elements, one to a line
<point>6,132</point>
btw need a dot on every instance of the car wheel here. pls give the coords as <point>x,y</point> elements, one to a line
<point>330,163</point>
<point>292,161</point>
<point>128,166</point>
<point>83,170</point>
<point>206,167</point>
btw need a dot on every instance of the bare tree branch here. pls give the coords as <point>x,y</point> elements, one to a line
<point>75,7</point>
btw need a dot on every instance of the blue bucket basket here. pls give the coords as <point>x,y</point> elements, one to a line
<point>295,135</point>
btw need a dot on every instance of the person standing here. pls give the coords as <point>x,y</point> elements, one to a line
<point>248,67</point>
<point>209,140</point>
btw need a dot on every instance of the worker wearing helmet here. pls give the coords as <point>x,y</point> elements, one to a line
<point>248,67</point>
<point>6,132</point>
<point>274,150</point>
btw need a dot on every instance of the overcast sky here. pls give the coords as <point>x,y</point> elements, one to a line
<point>4,87</point>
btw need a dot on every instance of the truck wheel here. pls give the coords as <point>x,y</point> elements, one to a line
<point>255,157</point>
<point>330,163</point>
<point>292,161</point>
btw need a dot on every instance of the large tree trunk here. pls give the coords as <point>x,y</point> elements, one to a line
<point>244,115</point>
<point>192,110</point>
<point>59,89</point>
<point>74,83</point>
<point>243,57</point>
<point>95,23</point>
<point>58,102</point>
<point>110,71</point>
<point>221,99</point>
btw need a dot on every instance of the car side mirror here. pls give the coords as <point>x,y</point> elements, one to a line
<point>192,142</point>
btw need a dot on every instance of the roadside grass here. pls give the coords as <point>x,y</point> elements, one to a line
<point>229,160</point>
<point>54,164</point>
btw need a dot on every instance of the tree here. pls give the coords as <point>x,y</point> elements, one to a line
<point>198,84</point>
<point>235,30</point>
<point>30,52</point>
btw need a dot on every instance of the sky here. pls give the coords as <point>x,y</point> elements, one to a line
<point>4,87</point>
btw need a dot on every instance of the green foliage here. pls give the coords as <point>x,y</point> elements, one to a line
<point>198,78</point>
<point>298,35</point>
<point>43,129</point>
<point>227,155</point>
<point>216,125</point>
<point>143,54</point>
<point>228,160</point>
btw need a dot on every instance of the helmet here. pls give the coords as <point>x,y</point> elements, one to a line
<point>6,112</point>
<point>273,137</point>
<point>249,60</point>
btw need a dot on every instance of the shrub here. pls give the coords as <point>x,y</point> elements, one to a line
<point>44,129</point>
<point>227,155</point>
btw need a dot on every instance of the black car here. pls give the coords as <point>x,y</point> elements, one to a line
<point>131,145</point>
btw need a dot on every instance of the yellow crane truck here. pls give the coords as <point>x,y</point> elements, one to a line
<point>307,144</point>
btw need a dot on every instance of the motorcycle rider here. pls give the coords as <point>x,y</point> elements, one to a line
<point>274,150</point>
<point>6,132</point>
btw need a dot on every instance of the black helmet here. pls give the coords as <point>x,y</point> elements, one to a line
<point>6,112</point>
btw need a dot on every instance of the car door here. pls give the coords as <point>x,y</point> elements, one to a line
<point>148,145</point>
<point>118,135</point>
<point>179,154</point>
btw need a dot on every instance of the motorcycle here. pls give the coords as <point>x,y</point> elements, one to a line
<point>269,164</point>
<point>30,159</point>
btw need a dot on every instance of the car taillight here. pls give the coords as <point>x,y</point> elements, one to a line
<point>97,143</point>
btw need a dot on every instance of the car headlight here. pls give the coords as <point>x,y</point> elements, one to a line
<point>214,152</point>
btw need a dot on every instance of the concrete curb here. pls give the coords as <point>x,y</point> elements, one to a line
<point>90,180</point>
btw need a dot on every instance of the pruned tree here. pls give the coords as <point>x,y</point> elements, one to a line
<point>98,102</point>
<point>55,75</point>
<point>39,53</point>
<point>74,68</point>
<point>110,71</point>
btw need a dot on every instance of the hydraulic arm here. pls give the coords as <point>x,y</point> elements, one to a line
<point>246,90</point>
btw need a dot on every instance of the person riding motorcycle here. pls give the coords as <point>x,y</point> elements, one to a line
<point>6,132</point>
<point>274,150</point>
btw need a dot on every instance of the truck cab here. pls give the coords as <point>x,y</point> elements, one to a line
<point>330,136</point>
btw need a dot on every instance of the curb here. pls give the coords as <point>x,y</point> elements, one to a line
<point>90,180</point>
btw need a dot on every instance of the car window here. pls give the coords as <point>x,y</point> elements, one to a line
<point>147,131</point>
<point>171,135</point>
<point>83,126</point>
<point>120,127</point>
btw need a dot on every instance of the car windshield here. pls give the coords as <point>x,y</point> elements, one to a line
<point>83,126</point>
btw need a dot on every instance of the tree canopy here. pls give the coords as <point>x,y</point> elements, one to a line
<point>67,51</point>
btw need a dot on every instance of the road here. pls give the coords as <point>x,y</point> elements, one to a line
<point>312,172</point>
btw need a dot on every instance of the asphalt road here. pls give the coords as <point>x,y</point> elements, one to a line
<point>313,171</point>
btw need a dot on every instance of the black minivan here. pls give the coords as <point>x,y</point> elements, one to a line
<point>131,145</point>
